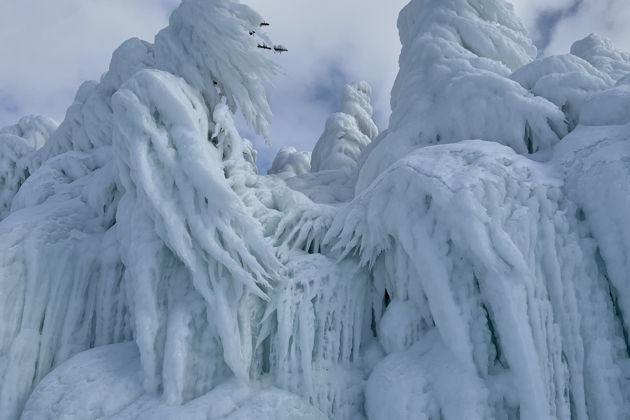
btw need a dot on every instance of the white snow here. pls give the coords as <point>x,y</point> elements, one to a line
<point>34,129</point>
<point>347,132</point>
<point>470,262</point>
<point>454,84</point>
<point>600,52</point>
<point>289,163</point>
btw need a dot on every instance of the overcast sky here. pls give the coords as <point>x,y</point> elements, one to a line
<point>49,47</point>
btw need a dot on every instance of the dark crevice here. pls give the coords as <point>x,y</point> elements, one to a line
<point>612,293</point>
<point>386,299</point>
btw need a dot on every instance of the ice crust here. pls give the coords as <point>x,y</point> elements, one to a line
<point>469,262</point>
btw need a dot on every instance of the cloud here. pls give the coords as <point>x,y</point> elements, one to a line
<point>330,43</point>
<point>606,17</point>
<point>49,47</point>
<point>536,15</point>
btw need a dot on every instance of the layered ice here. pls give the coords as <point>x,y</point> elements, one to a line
<point>347,132</point>
<point>470,262</point>
<point>600,52</point>
<point>453,83</point>
<point>34,129</point>
<point>289,163</point>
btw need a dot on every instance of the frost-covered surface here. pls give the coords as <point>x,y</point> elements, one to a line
<point>106,382</point>
<point>289,163</point>
<point>566,80</point>
<point>470,263</point>
<point>454,83</point>
<point>34,129</point>
<point>347,132</point>
<point>600,52</point>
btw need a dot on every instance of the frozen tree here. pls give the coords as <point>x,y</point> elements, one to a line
<point>289,162</point>
<point>347,132</point>
<point>69,206</point>
<point>454,83</point>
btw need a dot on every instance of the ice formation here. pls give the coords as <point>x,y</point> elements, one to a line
<point>289,163</point>
<point>347,132</point>
<point>470,262</point>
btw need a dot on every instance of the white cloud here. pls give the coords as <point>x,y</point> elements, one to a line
<point>606,17</point>
<point>330,43</point>
<point>49,47</point>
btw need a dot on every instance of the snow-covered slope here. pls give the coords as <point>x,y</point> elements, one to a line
<point>470,262</point>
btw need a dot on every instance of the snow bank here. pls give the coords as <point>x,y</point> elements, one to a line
<point>106,383</point>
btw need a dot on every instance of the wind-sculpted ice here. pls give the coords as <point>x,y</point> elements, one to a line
<point>33,129</point>
<point>289,163</point>
<point>469,263</point>
<point>495,284</point>
<point>347,132</point>
<point>453,83</point>
<point>600,52</point>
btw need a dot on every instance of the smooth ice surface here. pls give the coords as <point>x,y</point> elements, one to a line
<point>469,262</point>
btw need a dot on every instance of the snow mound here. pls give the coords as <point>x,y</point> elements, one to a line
<point>565,80</point>
<point>106,382</point>
<point>609,107</point>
